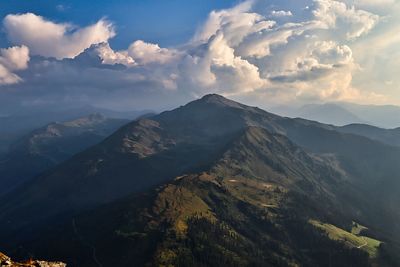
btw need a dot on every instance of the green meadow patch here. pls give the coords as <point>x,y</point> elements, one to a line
<point>353,239</point>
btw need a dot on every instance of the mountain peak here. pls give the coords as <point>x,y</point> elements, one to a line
<point>213,97</point>
<point>220,101</point>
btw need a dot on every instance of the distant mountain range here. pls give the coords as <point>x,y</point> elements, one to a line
<point>386,136</point>
<point>18,124</point>
<point>215,183</point>
<point>48,146</point>
<point>341,114</point>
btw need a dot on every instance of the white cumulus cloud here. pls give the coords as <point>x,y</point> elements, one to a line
<point>12,59</point>
<point>348,20</point>
<point>281,13</point>
<point>111,57</point>
<point>274,52</point>
<point>145,53</point>
<point>50,39</point>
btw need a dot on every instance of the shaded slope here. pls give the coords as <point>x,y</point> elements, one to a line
<point>386,136</point>
<point>141,154</point>
<point>335,176</point>
<point>138,156</point>
<point>245,214</point>
<point>48,146</point>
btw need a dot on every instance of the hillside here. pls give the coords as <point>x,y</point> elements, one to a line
<point>213,182</point>
<point>244,211</point>
<point>48,146</point>
<point>386,136</point>
<point>19,123</point>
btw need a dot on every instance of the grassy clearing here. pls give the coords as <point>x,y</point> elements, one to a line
<point>255,192</point>
<point>176,204</point>
<point>350,239</point>
<point>372,246</point>
<point>357,228</point>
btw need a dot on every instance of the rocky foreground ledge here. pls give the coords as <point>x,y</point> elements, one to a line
<point>6,261</point>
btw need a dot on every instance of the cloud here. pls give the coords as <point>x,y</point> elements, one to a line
<point>217,68</point>
<point>283,52</point>
<point>373,3</point>
<point>243,51</point>
<point>259,44</point>
<point>146,53</point>
<point>281,13</point>
<point>12,59</point>
<point>320,59</point>
<point>111,57</point>
<point>7,77</point>
<point>15,58</point>
<point>237,19</point>
<point>336,15</point>
<point>50,39</point>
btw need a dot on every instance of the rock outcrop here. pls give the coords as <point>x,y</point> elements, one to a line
<point>6,261</point>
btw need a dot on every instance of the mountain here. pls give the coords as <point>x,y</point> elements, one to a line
<point>330,113</point>
<point>387,116</point>
<point>24,120</point>
<point>342,120</point>
<point>343,113</point>
<point>386,136</point>
<point>48,146</point>
<point>239,213</point>
<point>212,183</point>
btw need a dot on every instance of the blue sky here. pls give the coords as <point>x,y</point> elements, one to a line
<point>167,22</point>
<point>150,54</point>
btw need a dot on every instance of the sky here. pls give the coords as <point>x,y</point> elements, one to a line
<point>164,22</point>
<point>156,54</point>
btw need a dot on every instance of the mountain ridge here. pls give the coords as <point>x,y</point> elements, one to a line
<point>45,147</point>
<point>239,164</point>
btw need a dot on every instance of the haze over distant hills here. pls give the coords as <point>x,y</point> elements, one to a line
<point>48,146</point>
<point>214,183</point>
<point>346,113</point>
<point>20,123</point>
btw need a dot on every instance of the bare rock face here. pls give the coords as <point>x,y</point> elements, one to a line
<point>6,261</point>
